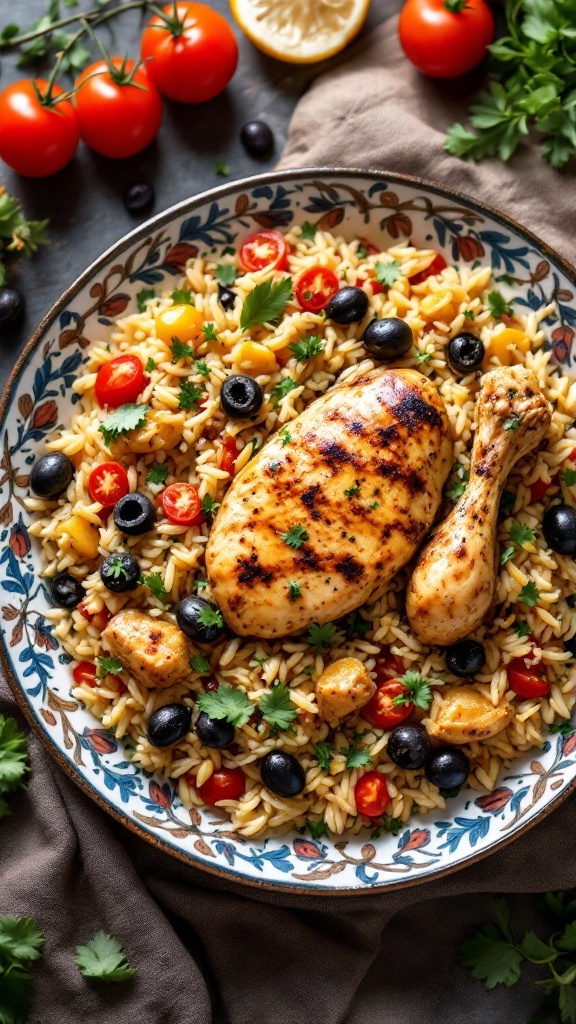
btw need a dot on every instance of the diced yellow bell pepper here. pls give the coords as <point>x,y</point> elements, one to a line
<point>80,535</point>
<point>439,305</point>
<point>181,321</point>
<point>504,344</point>
<point>251,357</point>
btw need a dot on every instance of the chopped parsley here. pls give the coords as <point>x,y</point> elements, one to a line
<point>351,492</point>
<point>388,273</point>
<point>563,728</point>
<point>277,708</point>
<point>423,357</point>
<point>121,420</point>
<point>108,666</point>
<point>222,169</point>
<point>282,389</point>
<point>103,958</point>
<point>419,692</point>
<point>200,585</point>
<point>356,625</point>
<point>189,395</point>
<point>321,637</point>
<point>180,350</point>
<point>209,331</point>
<point>295,536</point>
<point>456,490</point>
<point>226,274</point>
<point>529,594</point>
<point>307,348</point>
<point>324,754</point>
<point>158,474</point>
<point>150,365</point>
<point>356,757</point>
<point>117,568</point>
<point>211,617</point>
<point>202,368</point>
<point>182,297</point>
<point>375,504</point>
<point>209,506</point>
<point>308,231</point>
<point>523,629</point>
<point>498,305</point>
<point>155,585</point>
<point>507,555</point>
<point>265,302</point>
<point>294,590</point>
<point>361,252</point>
<point>228,703</point>
<point>286,436</point>
<point>512,423</point>
<point>569,477</point>
<point>143,297</point>
<point>521,534</point>
<point>200,664</point>
<point>469,314</point>
<point>318,828</point>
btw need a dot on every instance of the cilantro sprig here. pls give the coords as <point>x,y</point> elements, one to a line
<point>283,388</point>
<point>418,690</point>
<point>295,536</point>
<point>200,664</point>
<point>18,235</point>
<point>521,533</point>
<point>265,302</point>
<point>227,703</point>
<point>277,708</point>
<point>155,584</point>
<point>324,754</point>
<point>108,666</point>
<point>356,757</point>
<point>20,944</point>
<point>189,396</point>
<point>321,637</point>
<point>388,273</point>
<point>13,760</point>
<point>307,348</point>
<point>226,274</point>
<point>158,474</point>
<point>103,958</point>
<point>123,419</point>
<point>529,594</point>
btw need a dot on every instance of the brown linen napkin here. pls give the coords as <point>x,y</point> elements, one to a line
<point>208,951</point>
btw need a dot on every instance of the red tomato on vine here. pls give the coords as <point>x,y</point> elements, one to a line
<point>445,38</point>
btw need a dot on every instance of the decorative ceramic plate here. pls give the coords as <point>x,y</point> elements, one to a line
<point>39,400</point>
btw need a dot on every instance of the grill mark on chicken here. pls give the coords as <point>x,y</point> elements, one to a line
<point>385,435</point>
<point>308,497</point>
<point>412,412</point>
<point>250,570</point>
<point>350,569</point>
<point>335,455</point>
<point>393,472</point>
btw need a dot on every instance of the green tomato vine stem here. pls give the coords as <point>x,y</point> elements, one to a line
<point>95,17</point>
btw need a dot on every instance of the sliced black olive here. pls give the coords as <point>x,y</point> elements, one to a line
<point>120,573</point>
<point>257,138</point>
<point>214,732</point>
<point>138,196</point>
<point>282,774</point>
<point>388,338</point>
<point>226,297</point>
<point>241,396</point>
<point>465,658</point>
<point>465,353</point>
<point>169,724</point>
<point>447,767</point>
<point>199,619</point>
<point>348,306</point>
<point>134,514</point>
<point>559,529</point>
<point>570,646</point>
<point>51,475</point>
<point>12,305</point>
<point>408,746</point>
<point>66,590</point>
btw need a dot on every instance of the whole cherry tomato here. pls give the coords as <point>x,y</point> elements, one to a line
<point>371,795</point>
<point>445,38</point>
<point>225,784</point>
<point>84,673</point>
<point>193,52</point>
<point>438,264</point>
<point>381,710</point>
<point>265,249</point>
<point>119,109</point>
<point>108,483</point>
<point>38,134</point>
<point>315,287</point>
<point>119,381</point>
<point>229,454</point>
<point>181,504</point>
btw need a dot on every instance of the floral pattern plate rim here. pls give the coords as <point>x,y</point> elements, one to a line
<point>386,207</point>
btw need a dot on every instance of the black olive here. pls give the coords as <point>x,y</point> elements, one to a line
<point>134,514</point>
<point>257,138</point>
<point>570,646</point>
<point>559,529</point>
<point>189,615</point>
<point>67,591</point>
<point>120,573</point>
<point>214,732</point>
<point>241,396</point>
<point>465,353</point>
<point>465,658</point>
<point>447,767</point>
<point>138,196</point>
<point>169,724</point>
<point>348,306</point>
<point>282,774</point>
<point>226,297</point>
<point>12,305</point>
<point>51,475</point>
<point>389,338</point>
<point>408,746</point>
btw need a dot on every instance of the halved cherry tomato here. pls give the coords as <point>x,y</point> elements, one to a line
<point>265,249</point>
<point>524,681</point>
<point>108,483</point>
<point>98,619</point>
<point>371,795</point>
<point>438,264</point>
<point>572,455</point>
<point>381,710</point>
<point>538,489</point>
<point>225,784</point>
<point>85,673</point>
<point>181,504</point>
<point>315,287</point>
<point>375,285</point>
<point>387,666</point>
<point>229,455</point>
<point>119,381</point>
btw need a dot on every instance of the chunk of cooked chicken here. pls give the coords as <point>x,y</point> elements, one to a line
<point>155,652</point>
<point>454,582</point>
<point>161,431</point>
<point>467,715</point>
<point>344,686</point>
<point>336,503</point>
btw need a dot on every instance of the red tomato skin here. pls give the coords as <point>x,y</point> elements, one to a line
<point>443,43</point>
<point>119,484</point>
<point>229,455</point>
<point>315,287</point>
<point>189,514</point>
<point>36,141</point>
<point>197,65</point>
<point>251,260</point>
<point>380,710</point>
<point>225,784</point>
<point>84,673</point>
<point>371,795</point>
<point>524,681</point>
<point>117,121</point>
<point>119,381</point>
<point>387,666</point>
<point>538,490</point>
<point>98,619</point>
<point>438,264</point>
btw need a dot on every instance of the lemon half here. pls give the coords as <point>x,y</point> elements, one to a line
<point>300,31</point>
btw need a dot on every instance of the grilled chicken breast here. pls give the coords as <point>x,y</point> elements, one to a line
<point>331,508</point>
<point>155,652</point>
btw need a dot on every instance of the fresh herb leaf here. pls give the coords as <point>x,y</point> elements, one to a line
<point>200,664</point>
<point>529,594</point>
<point>492,957</point>
<point>522,629</point>
<point>150,365</point>
<point>155,585</point>
<point>200,585</point>
<point>456,490</point>
<point>209,506</point>
<point>356,625</point>
<point>283,388</point>
<point>221,168</point>
<point>498,305</point>
<point>418,690</point>
<point>13,756</point>
<point>103,958</point>
<point>182,297</point>
<point>507,555</point>
<point>569,477</point>
<point>356,757</point>
<point>307,348</point>
<point>507,503</point>
<point>469,314</point>
<point>209,331</point>
<point>521,534</point>
<point>321,637</point>
<point>20,938</point>
<point>180,350</point>
<point>423,357</point>
<point>308,231</point>
<point>295,536</point>
<point>143,297</point>
<point>375,505</point>
<point>189,395</point>
<point>512,423</point>
<point>158,474</point>
<point>211,617</point>
<point>277,708</point>
<point>351,492</point>
<point>202,368</point>
<point>389,824</point>
<point>226,274</point>
<point>324,754</point>
<point>108,666</point>
<point>285,435</point>
<point>361,252</point>
<point>20,942</point>
<point>116,564</point>
<point>294,591</point>
<point>388,273</point>
<point>318,829</point>
<point>562,728</point>
<point>265,302</point>
<point>228,703</point>
<point>123,419</point>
